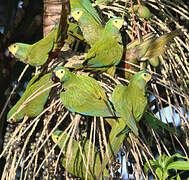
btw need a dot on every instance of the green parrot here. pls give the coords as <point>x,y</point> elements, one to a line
<point>148,50</point>
<point>35,54</point>
<point>90,27</point>
<point>73,29</point>
<point>38,53</point>
<point>87,6</point>
<point>82,94</point>
<point>134,52</point>
<point>76,165</point>
<point>107,52</point>
<point>130,102</point>
<point>157,47</point>
<point>35,106</point>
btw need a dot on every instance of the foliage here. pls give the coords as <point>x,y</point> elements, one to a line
<point>166,163</point>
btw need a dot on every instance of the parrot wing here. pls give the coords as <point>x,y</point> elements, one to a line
<point>84,101</point>
<point>40,50</point>
<point>127,111</point>
<point>105,52</point>
<point>76,165</point>
<point>155,123</point>
<point>33,105</point>
<point>117,96</point>
<point>88,6</point>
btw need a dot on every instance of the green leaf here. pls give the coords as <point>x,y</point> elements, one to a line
<point>146,168</point>
<point>167,160</point>
<point>178,177</point>
<point>180,156</point>
<point>179,165</point>
<point>159,173</point>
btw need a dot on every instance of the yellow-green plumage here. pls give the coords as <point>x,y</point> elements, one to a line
<point>157,45</point>
<point>86,5</point>
<point>130,102</point>
<point>90,27</point>
<point>76,164</point>
<point>108,50</point>
<point>35,54</point>
<point>73,29</point>
<point>34,107</point>
<point>38,53</point>
<point>135,51</point>
<point>82,94</point>
<point>148,50</point>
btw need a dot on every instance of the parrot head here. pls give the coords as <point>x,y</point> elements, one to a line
<point>118,23</point>
<point>145,75</point>
<point>59,74</point>
<point>141,79</point>
<point>76,14</point>
<point>13,48</point>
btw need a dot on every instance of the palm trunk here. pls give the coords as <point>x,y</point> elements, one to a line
<point>52,12</point>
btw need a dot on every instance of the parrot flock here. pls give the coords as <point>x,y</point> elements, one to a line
<point>84,94</point>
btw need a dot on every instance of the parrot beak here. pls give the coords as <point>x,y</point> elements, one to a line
<point>54,77</point>
<point>71,19</point>
<point>8,54</point>
<point>153,80</point>
<point>124,26</point>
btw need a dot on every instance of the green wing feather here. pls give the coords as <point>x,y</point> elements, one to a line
<point>117,97</point>
<point>39,52</point>
<point>76,165</point>
<point>104,54</point>
<point>88,98</point>
<point>35,106</point>
<point>86,4</point>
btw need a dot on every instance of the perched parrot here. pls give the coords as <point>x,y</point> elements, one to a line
<point>107,52</point>
<point>130,102</point>
<point>82,94</point>
<point>148,50</point>
<point>76,166</point>
<point>35,54</point>
<point>87,6</point>
<point>38,53</point>
<point>90,27</point>
<point>32,106</point>
<point>73,29</point>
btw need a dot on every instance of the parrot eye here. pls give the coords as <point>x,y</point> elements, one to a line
<point>78,12</point>
<point>62,72</point>
<point>14,46</point>
<point>145,74</point>
<point>115,21</point>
